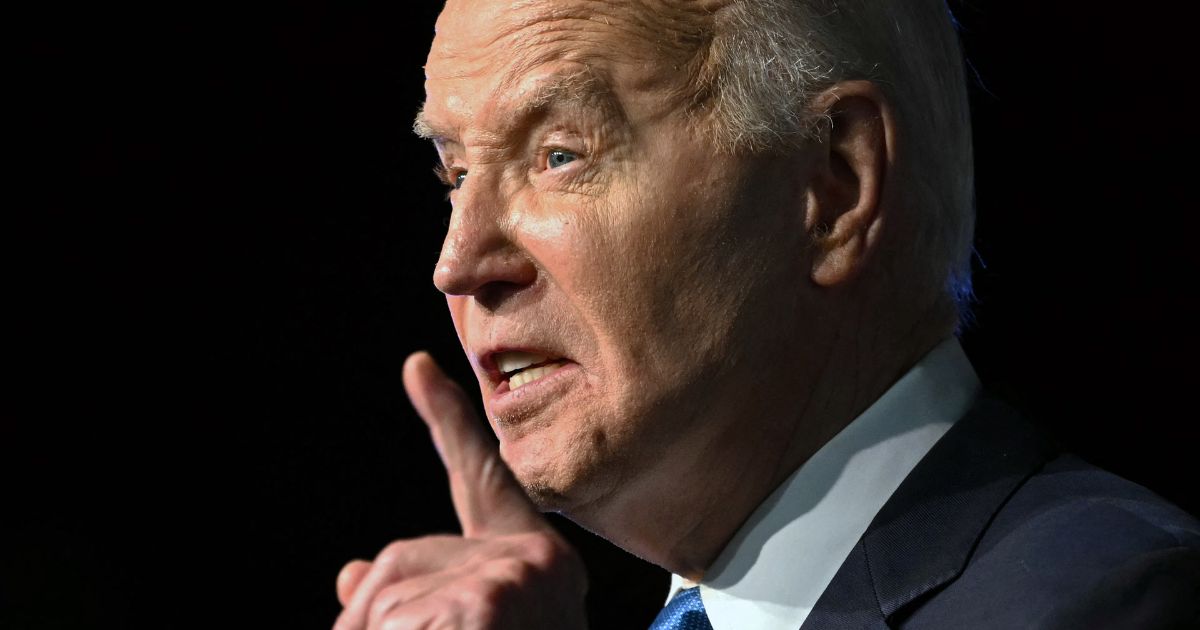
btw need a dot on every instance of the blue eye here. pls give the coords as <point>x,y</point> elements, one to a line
<point>559,157</point>
<point>459,179</point>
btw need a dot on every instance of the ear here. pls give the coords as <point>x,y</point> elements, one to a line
<point>845,210</point>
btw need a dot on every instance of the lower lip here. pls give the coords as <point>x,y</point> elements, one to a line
<point>517,403</point>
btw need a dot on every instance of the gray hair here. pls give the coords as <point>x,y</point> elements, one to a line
<point>769,58</point>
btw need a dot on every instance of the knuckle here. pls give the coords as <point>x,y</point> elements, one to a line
<point>401,620</point>
<point>380,605</point>
<point>541,549</point>
<point>483,601</point>
<point>397,551</point>
<point>393,552</point>
<point>511,570</point>
<point>389,599</point>
<point>544,547</point>
<point>552,558</point>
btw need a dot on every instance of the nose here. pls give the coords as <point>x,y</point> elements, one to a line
<point>481,256</point>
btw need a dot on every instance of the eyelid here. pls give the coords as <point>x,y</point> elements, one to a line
<point>448,175</point>
<point>568,137</point>
<point>553,149</point>
<point>547,148</point>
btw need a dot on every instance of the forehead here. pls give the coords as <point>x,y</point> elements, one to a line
<point>488,53</point>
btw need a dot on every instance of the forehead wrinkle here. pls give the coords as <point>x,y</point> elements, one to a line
<point>671,36</point>
<point>657,31</point>
<point>581,93</point>
<point>535,32</point>
<point>582,87</point>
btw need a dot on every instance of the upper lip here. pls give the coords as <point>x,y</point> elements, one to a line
<point>487,358</point>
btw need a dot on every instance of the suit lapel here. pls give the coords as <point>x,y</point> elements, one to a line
<point>924,535</point>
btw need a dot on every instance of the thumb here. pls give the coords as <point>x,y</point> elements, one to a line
<point>487,499</point>
<point>349,578</point>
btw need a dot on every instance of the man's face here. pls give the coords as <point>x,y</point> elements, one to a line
<point>651,285</point>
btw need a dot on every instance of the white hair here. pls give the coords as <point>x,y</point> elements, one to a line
<point>769,58</point>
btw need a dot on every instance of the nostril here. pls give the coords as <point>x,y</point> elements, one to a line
<point>494,294</point>
<point>489,277</point>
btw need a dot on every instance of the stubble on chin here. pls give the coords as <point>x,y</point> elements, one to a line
<point>566,474</point>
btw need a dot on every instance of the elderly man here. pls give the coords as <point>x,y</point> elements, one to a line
<point>705,258</point>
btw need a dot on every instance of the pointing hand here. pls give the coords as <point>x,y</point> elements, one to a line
<point>509,569</point>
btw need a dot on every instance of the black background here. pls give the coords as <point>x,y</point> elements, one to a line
<point>220,241</point>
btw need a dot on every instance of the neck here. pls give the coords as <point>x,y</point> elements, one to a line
<point>682,517</point>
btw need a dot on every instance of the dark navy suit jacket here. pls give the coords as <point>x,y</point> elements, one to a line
<point>995,528</point>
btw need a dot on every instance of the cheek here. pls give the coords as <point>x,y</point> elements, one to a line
<point>641,288</point>
<point>595,261</point>
<point>545,227</point>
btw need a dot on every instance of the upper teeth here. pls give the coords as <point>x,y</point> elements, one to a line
<point>508,362</point>
<point>520,379</point>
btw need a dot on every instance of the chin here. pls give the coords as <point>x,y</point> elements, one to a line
<point>556,478</point>
<point>547,492</point>
<point>546,497</point>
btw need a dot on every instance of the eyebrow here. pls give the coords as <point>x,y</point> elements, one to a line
<point>424,129</point>
<point>582,88</point>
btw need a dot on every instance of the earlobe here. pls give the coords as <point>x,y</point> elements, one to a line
<point>846,207</point>
<point>838,263</point>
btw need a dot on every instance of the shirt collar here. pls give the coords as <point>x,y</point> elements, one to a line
<point>772,572</point>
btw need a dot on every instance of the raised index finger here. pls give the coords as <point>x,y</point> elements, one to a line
<point>487,498</point>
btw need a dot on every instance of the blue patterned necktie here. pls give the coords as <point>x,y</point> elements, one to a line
<point>685,611</point>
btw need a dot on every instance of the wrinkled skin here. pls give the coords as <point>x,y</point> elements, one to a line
<point>694,296</point>
<point>651,263</point>
<point>509,569</point>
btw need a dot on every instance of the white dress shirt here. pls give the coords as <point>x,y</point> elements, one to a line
<point>772,572</point>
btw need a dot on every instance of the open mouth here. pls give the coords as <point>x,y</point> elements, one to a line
<point>523,368</point>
